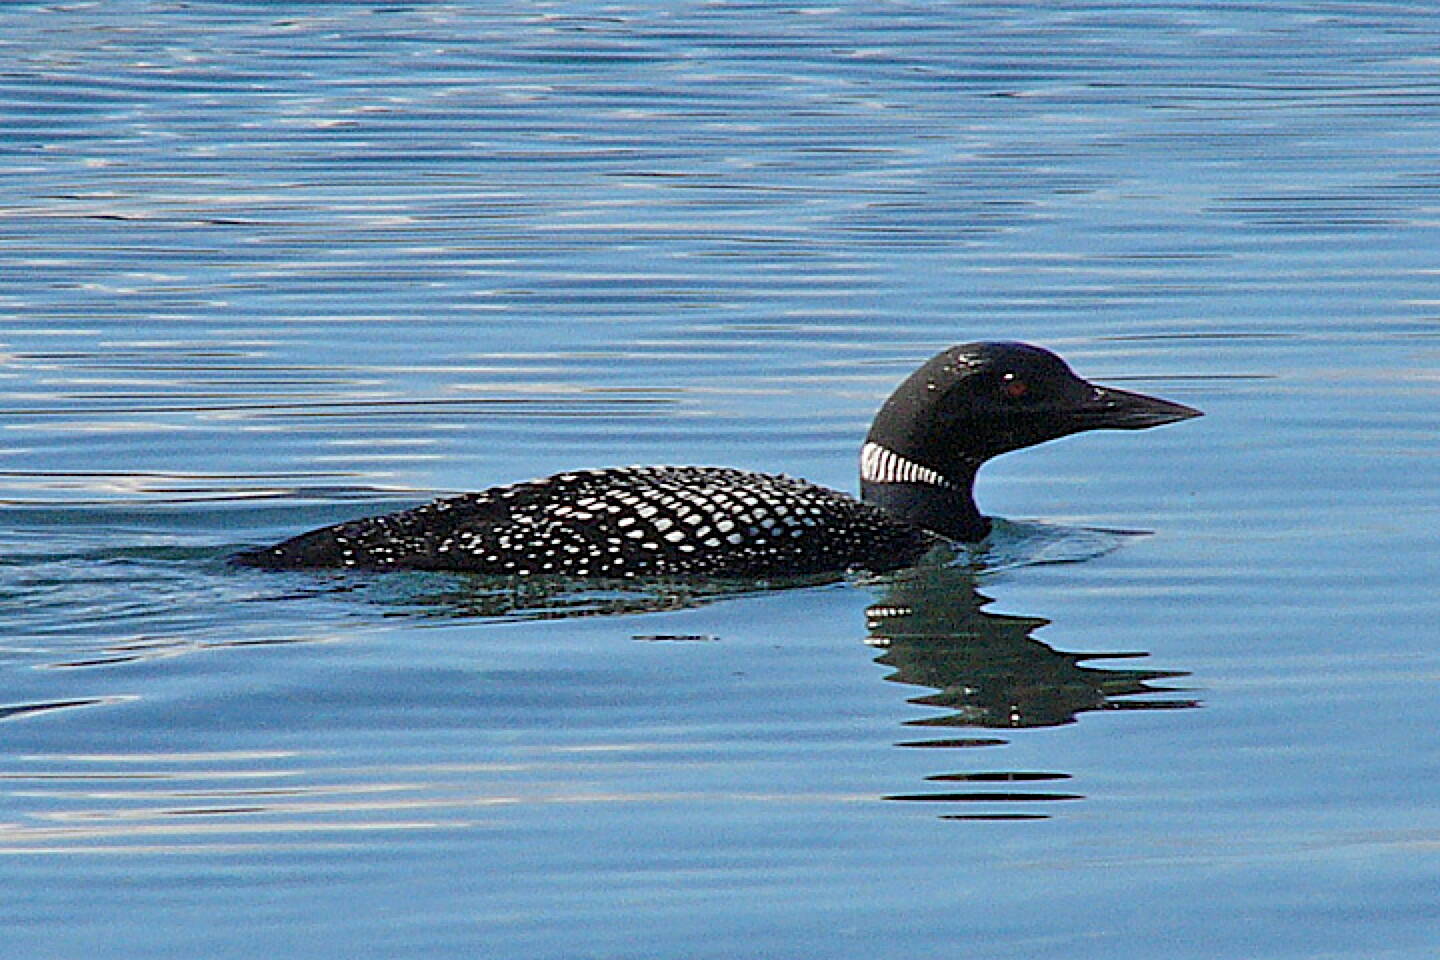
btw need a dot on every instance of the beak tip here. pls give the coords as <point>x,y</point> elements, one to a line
<point>1123,410</point>
<point>1188,413</point>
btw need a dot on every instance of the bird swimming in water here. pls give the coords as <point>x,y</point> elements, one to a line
<point>917,473</point>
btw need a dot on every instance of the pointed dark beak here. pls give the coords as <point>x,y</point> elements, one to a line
<point>1112,409</point>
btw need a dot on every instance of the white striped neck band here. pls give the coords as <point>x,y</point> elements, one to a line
<point>878,465</point>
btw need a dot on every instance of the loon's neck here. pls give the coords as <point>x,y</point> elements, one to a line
<point>942,503</point>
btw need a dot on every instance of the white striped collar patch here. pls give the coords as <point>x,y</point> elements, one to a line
<point>878,465</point>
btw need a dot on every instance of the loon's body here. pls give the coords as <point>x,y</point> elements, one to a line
<point>623,522</point>
<point>918,468</point>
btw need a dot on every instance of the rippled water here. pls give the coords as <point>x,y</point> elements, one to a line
<point>267,266</point>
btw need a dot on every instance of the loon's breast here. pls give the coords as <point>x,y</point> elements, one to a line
<point>622,522</point>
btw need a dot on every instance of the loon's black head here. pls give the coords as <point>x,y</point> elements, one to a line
<point>976,401</point>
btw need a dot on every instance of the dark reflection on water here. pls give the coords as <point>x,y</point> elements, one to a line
<point>987,670</point>
<point>984,670</point>
<point>24,709</point>
<point>458,596</point>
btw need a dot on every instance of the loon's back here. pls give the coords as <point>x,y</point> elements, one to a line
<point>623,522</point>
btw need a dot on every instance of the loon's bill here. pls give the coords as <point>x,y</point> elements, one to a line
<point>964,406</point>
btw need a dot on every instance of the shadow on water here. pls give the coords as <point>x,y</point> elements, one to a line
<point>988,671</point>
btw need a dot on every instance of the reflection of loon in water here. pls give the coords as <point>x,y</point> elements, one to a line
<point>985,670</point>
<point>988,671</point>
<point>987,667</point>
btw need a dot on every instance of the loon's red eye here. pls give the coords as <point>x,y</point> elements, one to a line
<point>1013,386</point>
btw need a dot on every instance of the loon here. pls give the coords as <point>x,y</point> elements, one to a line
<point>966,405</point>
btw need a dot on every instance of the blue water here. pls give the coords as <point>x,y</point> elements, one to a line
<point>267,266</point>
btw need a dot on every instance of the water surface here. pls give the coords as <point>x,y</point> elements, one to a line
<point>264,267</point>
